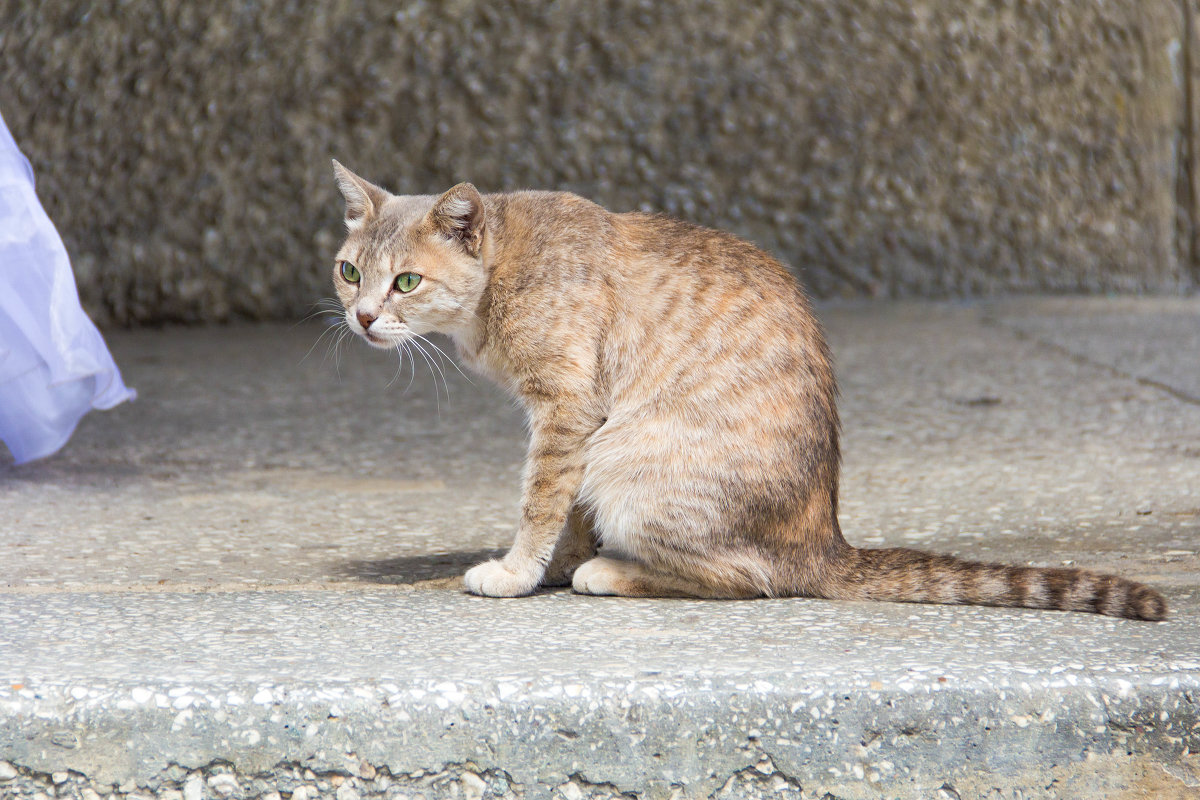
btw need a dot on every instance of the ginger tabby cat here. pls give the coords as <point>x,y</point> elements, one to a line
<point>680,396</point>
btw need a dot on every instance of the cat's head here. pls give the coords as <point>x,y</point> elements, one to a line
<point>410,265</point>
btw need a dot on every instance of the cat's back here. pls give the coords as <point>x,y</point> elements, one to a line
<point>543,229</point>
<point>720,293</point>
<point>633,245</point>
<point>703,253</point>
<point>663,290</point>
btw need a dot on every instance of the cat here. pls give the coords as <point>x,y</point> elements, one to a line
<point>680,396</point>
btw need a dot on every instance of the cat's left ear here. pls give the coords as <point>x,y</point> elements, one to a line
<point>363,198</point>
<point>458,214</point>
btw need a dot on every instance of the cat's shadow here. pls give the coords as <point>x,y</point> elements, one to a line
<point>440,567</point>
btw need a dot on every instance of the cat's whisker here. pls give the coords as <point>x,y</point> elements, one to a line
<point>436,370</point>
<point>316,342</point>
<point>338,332</point>
<point>343,331</point>
<point>326,305</point>
<point>442,372</point>
<point>444,355</point>
<point>461,307</point>
<point>412,366</point>
<point>401,351</point>
<point>337,351</point>
<point>324,333</point>
<point>318,313</point>
<point>399,366</point>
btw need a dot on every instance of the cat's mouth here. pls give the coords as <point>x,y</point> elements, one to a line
<point>377,341</point>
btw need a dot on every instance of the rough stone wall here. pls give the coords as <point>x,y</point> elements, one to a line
<point>881,147</point>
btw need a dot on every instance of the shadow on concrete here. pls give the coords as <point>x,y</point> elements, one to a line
<point>97,473</point>
<point>414,569</point>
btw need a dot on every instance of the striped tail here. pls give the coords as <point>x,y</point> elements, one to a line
<point>902,575</point>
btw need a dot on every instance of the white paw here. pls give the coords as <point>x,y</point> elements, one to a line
<point>499,579</point>
<point>594,577</point>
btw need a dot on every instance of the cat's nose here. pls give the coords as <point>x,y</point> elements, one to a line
<point>364,318</point>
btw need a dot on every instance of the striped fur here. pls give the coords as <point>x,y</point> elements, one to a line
<point>681,403</point>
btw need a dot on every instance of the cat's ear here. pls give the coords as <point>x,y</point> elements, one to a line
<point>458,214</point>
<point>363,198</point>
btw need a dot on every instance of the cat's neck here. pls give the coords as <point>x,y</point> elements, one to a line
<point>470,339</point>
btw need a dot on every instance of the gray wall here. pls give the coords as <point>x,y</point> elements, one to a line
<point>886,147</point>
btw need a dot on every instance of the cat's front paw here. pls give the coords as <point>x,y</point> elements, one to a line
<point>501,579</point>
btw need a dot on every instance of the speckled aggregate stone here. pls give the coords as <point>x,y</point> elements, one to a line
<point>245,583</point>
<point>637,695</point>
<point>881,148</point>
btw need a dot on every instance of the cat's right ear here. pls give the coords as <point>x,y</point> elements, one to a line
<point>363,198</point>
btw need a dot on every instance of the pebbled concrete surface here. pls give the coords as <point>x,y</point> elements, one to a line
<point>887,147</point>
<point>244,583</point>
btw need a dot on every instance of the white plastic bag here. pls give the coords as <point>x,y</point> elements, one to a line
<point>54,366</point>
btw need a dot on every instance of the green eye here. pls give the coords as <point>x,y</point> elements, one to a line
<point>350,272</point>
<point>407,281</point>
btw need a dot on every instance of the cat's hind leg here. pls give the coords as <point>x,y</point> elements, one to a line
<point>613,576</point>
<point>575,546</point>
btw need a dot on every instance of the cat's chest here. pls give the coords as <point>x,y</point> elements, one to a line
<point>490,364</point>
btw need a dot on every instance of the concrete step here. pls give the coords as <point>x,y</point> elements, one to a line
<point>245,584</point>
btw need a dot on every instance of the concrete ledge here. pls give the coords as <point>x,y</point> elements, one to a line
<point>404,691</point>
